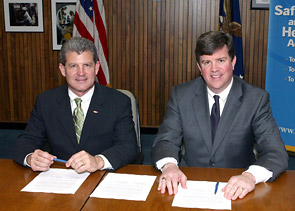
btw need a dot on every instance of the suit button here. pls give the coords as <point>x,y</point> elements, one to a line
<point>212,163</point>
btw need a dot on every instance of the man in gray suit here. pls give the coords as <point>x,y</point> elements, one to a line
<point>244,120</point>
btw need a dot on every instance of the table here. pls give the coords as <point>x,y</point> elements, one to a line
<point>14,177</point>
<point>278,195</point>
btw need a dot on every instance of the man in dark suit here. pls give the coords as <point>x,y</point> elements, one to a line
<point>96,132</point>
<point>244,121</point>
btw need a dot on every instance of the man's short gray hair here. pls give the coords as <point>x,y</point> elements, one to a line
<point>78,45</point>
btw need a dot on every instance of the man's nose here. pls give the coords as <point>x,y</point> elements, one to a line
<point>215,67</point>
<point>81,70</point>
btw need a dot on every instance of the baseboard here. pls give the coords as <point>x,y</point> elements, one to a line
<point>13,125</point>
<point>148,130</point>
<point>22,126</point>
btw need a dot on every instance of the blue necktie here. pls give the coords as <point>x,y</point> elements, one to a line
<point>215,116</point>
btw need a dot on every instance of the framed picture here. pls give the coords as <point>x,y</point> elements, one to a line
<point>23,15</point>
<point>260,4</point>
<point>63,14</point>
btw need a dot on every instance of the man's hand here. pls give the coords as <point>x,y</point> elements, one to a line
<point>170,178</point>
<point>83,161</point>
<point>40,160</point>
<point>239,186</point>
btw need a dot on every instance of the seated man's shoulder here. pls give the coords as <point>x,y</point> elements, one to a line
<point>189,84</point>
<point>186,89</point>
<point>252,89</point>
<point>53,92</point>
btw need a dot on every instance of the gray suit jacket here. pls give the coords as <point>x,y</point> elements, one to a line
<point>246,121</point>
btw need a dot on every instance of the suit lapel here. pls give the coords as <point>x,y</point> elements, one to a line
<point>201,110</point>
<point>63,108</point>
<point>231,107</point>
<point>93,114</point>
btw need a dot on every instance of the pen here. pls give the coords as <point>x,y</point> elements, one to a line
<point>216,187</point>
<point>59,160</point>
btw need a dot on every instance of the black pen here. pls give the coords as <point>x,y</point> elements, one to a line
<point>216,187</point>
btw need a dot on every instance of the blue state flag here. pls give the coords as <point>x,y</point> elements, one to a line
<point>230,22</point>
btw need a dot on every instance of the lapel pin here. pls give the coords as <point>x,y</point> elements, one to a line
<point>96,112</point>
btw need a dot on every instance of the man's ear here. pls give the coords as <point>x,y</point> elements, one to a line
<point>199,67</point>
<point>234,62</point>
<point>62,69</point>
<point>97,65</point>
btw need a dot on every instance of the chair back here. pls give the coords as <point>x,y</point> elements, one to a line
<point>135,113</point>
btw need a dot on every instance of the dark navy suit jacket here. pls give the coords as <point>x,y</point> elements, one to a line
<point>108,127</point>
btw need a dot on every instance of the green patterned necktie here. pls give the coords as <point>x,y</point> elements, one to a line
<point>78,118</point>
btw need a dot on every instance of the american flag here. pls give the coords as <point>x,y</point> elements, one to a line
<point>90,23</point>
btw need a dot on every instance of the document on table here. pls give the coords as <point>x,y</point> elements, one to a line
<point>66,181</point>
<point>200,194</point>
<point>124,186</point>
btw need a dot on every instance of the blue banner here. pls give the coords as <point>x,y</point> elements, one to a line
<point>280,70</point>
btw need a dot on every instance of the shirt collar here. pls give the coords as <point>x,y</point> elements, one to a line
<point>85,98</point>
<point>223,95</point>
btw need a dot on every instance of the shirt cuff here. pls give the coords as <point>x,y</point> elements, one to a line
<point>260,173</point>
<point>107,164</point>
<point>25,160</point>
<point>161,163</point>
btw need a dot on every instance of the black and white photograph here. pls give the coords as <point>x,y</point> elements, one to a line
<point>23,16</point>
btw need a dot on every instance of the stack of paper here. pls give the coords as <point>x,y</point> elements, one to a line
<point>124,186</point>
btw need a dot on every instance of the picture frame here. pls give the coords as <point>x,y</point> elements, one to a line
<point>23,15</point>
<point>62,15</point>
<point>260,4</point>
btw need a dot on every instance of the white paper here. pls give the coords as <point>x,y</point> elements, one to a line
<point>66,181</point>
<point>200,194</point>
<point>124,186</point>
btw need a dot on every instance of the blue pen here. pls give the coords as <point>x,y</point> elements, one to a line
<point>216,187</point>
<point>59,160</point>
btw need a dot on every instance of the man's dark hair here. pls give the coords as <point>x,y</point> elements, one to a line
<point>211,41</point>
<point>78,45</point>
